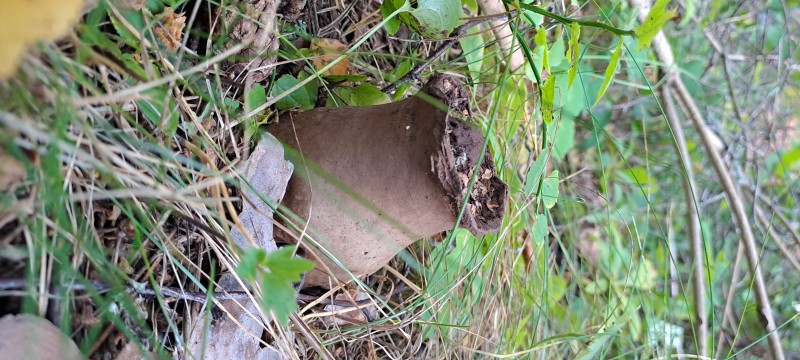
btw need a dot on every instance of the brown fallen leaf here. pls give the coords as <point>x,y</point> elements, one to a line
<point>170,31</point>
<point>326,51</point>
<point>86,317</point>
<point>12,172</point>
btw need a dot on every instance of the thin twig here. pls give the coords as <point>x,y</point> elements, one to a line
<point>726,311</point>
<point>587,23</point>
<point>313,339</point>
<point>728,79</point>
<point>762,218</point>
<point>664,53</point>
<point>693,216</point>
<point>739,213</point>
<point>175,293</point>
<point>447,44</point>
<point>775,210</point>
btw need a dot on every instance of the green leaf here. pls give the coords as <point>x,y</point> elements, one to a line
<point>345,78</point>
<point>788,161</point>
<point>534,174</point>
<point>539,231</point>
<point>283,269</point>
<point>368,94</point>
<point>135,19</point>
<point>548,97</point>
<point>644,276</point>
<point>598,341</point>
<point>610,70</point>
<point>300,98</point>
<point>276,283</point>
<point>248,265</point>
<point>285,265</point>
<point>471,6</point>
<point>541,40</point>
<point>472,46</point>
<point>160,109</point>
<point>656,18</point>
<point>279,297</point>
<point>713,11</point>
<point>556,56</point>
<point>564,137</point>
<point>361,95</point>
<point>572,52</point>
<point>401,70</point>
<point>387,8</point>
<point>556,288</point>
<point>230,105</point>
<point>436,18</point>
<point>550,190</point>
<point>256,97</point>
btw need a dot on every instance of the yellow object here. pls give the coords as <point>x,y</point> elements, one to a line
<point>24,21</point>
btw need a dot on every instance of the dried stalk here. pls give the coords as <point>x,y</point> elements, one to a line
<point>502,31</point>
<point>762,218</point>
<point>726,311</point>
<point>742,220</point>
<point>693,216</point>
<point>143,289</point>
<point>733,194</point>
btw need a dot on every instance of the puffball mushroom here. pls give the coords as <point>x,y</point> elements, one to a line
<point>26,336</point>
<point>370,181</point>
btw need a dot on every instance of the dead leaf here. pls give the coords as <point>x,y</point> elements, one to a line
<point>12,172</point>
<point>170,31</point>
<point>326,51</point>
<point>86,317</point>
<point>22,22</point>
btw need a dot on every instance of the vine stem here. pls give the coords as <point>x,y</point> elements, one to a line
<point>461,30</point>
<point>567,20</point>
<point>456,34</point>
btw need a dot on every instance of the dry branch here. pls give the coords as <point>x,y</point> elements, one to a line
<point>502,31</point>
<point>693,216</point>
<point>664,53</point>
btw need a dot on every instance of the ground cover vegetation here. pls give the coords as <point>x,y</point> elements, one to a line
<point>652,205</point>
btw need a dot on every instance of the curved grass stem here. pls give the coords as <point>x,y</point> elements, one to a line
<point>567,20</point>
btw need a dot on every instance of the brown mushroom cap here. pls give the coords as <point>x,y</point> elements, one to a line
<point>372,180</point>
<point>32,338</point>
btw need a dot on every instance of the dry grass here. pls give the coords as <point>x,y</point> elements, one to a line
<point>129,154</point>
